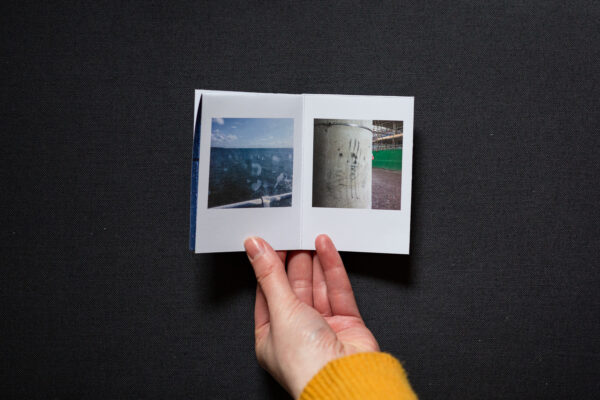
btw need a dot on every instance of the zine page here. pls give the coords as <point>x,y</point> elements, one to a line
<point>290,167</point>
<point>357,172</point>
<point>248,170</point>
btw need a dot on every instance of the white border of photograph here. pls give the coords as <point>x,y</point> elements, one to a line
<point>219,230</point>
<point>361,230</point>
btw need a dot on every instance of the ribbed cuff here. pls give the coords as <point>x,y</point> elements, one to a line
<point>360,376</point>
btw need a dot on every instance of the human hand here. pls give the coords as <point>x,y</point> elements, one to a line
<point>307,317</point>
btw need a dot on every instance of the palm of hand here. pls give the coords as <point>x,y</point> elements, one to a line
<point>307,317</point>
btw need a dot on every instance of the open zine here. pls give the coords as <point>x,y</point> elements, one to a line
<point>290,167</point>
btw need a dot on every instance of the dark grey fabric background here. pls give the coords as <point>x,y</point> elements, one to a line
<point>101,297</point>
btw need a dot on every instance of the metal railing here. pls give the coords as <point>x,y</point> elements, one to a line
<point>264,201</point>
<point>382,146</point>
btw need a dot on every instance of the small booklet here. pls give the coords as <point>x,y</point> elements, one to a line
<point>290,167</point>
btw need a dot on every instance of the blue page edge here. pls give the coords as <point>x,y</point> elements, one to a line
<point>194,183</point>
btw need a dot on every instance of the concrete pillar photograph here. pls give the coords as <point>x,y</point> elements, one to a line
<point>342,154</point>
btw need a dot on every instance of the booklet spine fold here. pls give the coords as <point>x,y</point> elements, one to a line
<point>194,185</point>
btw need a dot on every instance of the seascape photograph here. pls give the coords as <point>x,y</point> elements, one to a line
<point>357,164</point>
<point>251,163</point>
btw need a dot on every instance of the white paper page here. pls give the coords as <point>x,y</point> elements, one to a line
<point>249,134</point>
<point>361,228</point>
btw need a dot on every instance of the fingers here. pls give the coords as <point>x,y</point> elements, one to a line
<point>339,290</point>
<point>320,299</point>
<point>300,275</point>
<point>269,271</point>
<point>282,255</point>
<point>261,310</point>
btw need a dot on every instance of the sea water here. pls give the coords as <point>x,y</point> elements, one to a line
<point>237,175</point>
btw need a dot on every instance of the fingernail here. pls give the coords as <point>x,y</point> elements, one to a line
<point>254,248</point>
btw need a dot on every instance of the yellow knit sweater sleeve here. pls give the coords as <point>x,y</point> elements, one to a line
<point>362,376</point>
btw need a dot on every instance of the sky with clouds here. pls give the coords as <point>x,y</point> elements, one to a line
<point>252,132</point>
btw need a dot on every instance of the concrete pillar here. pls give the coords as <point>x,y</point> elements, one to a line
<point>342,153</point>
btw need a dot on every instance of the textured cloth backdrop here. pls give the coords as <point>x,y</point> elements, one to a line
<point>101,297</point>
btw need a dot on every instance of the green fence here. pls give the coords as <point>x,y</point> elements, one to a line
<point>388,159</point>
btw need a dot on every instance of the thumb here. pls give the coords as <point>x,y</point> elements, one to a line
<point>270,273</point>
